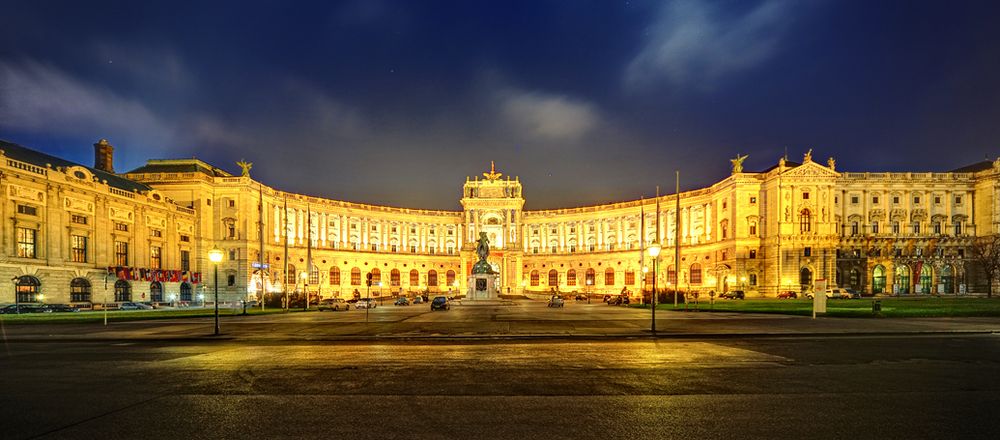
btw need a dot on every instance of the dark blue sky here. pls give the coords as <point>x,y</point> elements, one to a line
<point>395,102</point>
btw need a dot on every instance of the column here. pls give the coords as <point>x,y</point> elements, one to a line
<point>708,222</point>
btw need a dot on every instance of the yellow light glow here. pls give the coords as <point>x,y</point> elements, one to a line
<point>654,250</point>
<point>215,255</point>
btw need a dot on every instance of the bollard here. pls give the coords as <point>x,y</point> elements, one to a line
<point>876,307</point>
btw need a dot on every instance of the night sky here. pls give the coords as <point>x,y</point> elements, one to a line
<point>587,101</point>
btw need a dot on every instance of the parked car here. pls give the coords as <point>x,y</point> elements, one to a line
<point>581,297</point>
<point>366,303</point>
<point>334,304</point>
<point>556,301</point>
<point>59,308</point>
<point>733,294</point>
<point>788,294</point>
<point>134,306</point>
<point>833,293</point>
<point>440,303</point>
<point>418,300</point>
<point>401,301</point>
<point>24,308</point>
<point>854,293</point>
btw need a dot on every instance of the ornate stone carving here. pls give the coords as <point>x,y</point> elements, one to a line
<point>25,193</point>
<point>738,163</point>
<point>245,166</point>
<point>78,205</point>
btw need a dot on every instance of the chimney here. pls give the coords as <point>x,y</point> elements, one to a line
<point>104,155</point>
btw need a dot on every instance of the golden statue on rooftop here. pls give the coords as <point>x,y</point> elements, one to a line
<point>493,174</point>
<point>245,166</point>
<point>738,163</point>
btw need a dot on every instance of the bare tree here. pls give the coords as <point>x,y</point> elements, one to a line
<point>986,253</point>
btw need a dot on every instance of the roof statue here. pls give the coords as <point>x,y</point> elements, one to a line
<point>245,166</point>
<point>483,251</point>
<point>738,163</point>
<point>832,164</point>
<point>808,157</point>
<point>493,174</point>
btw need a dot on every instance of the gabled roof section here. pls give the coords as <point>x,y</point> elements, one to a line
<point>788,164</point>
<point>974,168</point>
<point>37,158</point>
<point>179,166</point>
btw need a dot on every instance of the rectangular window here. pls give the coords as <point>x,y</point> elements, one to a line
<point>937,200</point>
<point>234,254</point>
<point>155,233</point>
<point>78,248</point>
<point>154,257</point>
<point>805,196</point>
<point>724,255</point>
<point>916,228</point>
<point>413,249</point>
<point>232,203</point>
<point>854,228</point>
<point>895,200</point>
<point>854,200</point>
<point>895,228</point>
<point>875,228</point>
<point>26,239</point>
<point>753,279</point>
<point>753,254</point>
<point>27,210</point>
<point>629,278</point>
<point>753,230</point>
<point>185,260</point>
<point>958,200</point>
<point>958,229</point>
<point>937,228</point>
<point>807,251</point>
<point>916,200</point>
<point>393,247</point>
<point>374,247</point>
<point>185,239</point>
<point>753,200</point>
<point>121,227</point>
<point>231,280</point>
<point>875,200</point>
<point>78,219</point>
<point>121,253</point>
<point>723,204</point>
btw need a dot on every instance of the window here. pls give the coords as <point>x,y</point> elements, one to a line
<point>874,227</point>
<point>28,288</point>
<point>121,253</point>
<point>231,280</point>
<point>958,200</point>
<point>374,247</point>
<point>26,242</point>
<point>753,279</point>
<point>937,200</point>
<point>156,291</point>
<point>895,228</point>
<point>807,251</point>
<point>753,254</point>
<point>414,278</point>
<point>937,228</point>
<point>78,219</point>
<point>234,254</point>
<point>355,277</point>
<point>154,257</point>
<point>185,239</point>
<point>854,200</point>
<point>854,228</point>
<point>313,274</point>
<point>805,196</point>
<point>78,248</point>
<point>805,221</point>
<point>27,210</point>
<point>724,255</point>
<point>79,290</point>
<point>121,227</point>
<point>916,200</point>
<point>958,229</point>
<point>895,200</point>
<point>916,228</point>
<point>723,204</point>
<point>334,276</point>
<point>230,228</point>
<point>413,249</point>
<point>629,277</point>
<point>231,203</point>
<point>394,278</point>
<point>753,229</point>
<point>432,278</point>
<point>450,277</point>
<point>185,260</point>
<point>589,278</point>
<point>290,276</point>
<point>553,277</point>
<point>155,233</point>
<point>695,274</point>
<point>571,277</point>
<point>123,291</point>
<point>186,292</point>
<point>875,200</point>
<point>393,248</point>
<point>753,200</point>
<point>534,278</point>
<point>609,277</point>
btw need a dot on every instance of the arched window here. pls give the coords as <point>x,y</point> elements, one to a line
<point>186,291</point>
<point>571,277</point>
<point>394,278</point>
<point>805,279</point>
<point>948,279</point>
<point>629,278</point>
<point>926,278</point>
<point>156,291</point>
<point>79,290</point>
<point>695,277</point>
<point>553,277</point>
<point>878,279</point>
<point>355,276</point>
<point>609,277</point>
<point>28,288</point>
<point>414,278</point>
<point>534,278</point>
<point>450,277</point>
<point>648,279</point>
<point>855,279</point>
<point>123,291</point>
<point>334,276</point>
<point>589,280</point>
<point>671,275</point>
<point>376,277</point>
<point>290,276</point>
<point>805,221</point>
<point>313,274</point>
<point>432,278</point>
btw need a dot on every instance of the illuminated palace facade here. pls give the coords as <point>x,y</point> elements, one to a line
<point>764,232</point>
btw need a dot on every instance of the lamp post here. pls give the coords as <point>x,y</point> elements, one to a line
<point>215,256</point>
<point>305,290</point>
<point>589,281</point>
<point>654,252</point>
<point>17,302</point>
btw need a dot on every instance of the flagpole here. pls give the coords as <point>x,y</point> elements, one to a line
<point>284,284</point>
<point>309,258</point>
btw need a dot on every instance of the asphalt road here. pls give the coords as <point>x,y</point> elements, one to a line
<point>786,388</point>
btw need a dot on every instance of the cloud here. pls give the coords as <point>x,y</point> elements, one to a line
<point>40,98</point>
<point>548,117</point>
<point>694,42</point>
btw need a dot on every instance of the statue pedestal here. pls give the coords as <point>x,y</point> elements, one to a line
<point>482,287</point>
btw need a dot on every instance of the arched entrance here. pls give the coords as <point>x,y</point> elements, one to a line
<point>186,292</point>
<point>926,279</point>
<point>805,279</point>
<point>901,281</point>
<point>28,288</point>
<point>948,279</point>
<point>878,279</point>
<point>156,291</point>
<point>123,291</point>
<point>79,290</point>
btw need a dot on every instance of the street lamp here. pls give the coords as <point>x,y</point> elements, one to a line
<point>17,303</point>
<point>589,282</point>
<point>215,256</point>
<point>654,252</point>
<point>305,289</point>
